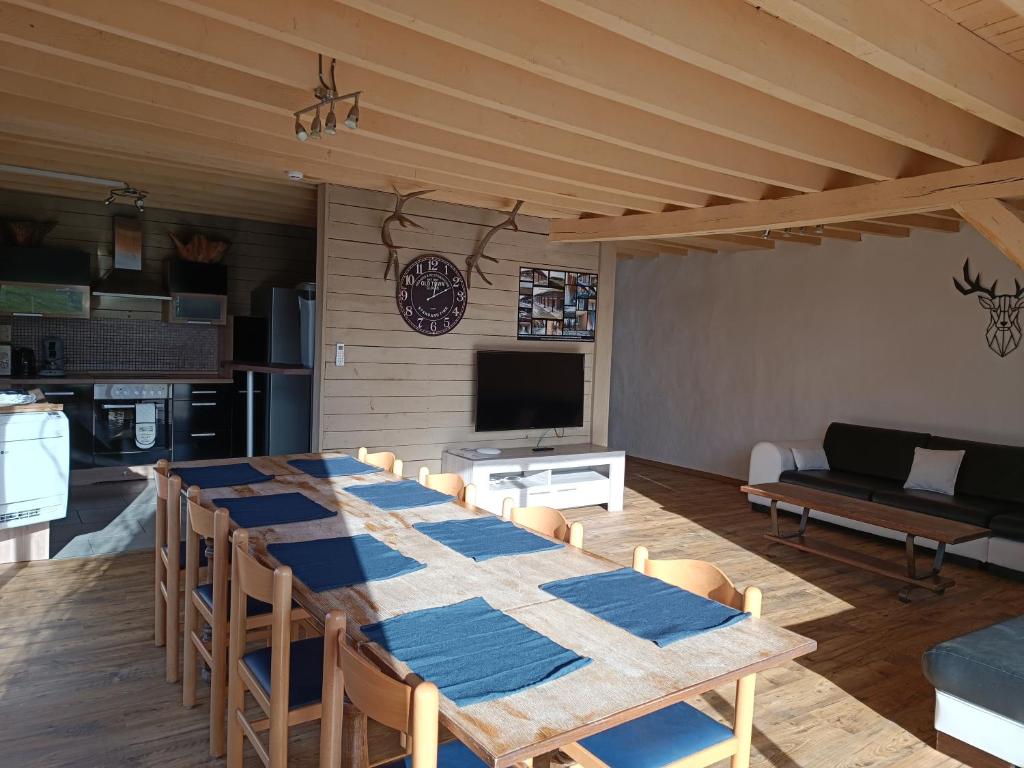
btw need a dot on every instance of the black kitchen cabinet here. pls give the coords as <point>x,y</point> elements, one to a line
<point>201,414</point>
<point>77,402</point>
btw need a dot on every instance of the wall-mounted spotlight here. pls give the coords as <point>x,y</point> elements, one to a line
<point>764,235</point>
<point>819,229</point>
<point>327,96</point>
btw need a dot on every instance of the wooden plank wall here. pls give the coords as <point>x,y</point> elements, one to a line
<point>261,253</point>
<point>403,391</point>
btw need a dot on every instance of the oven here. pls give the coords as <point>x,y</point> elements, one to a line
<point>132,424</point>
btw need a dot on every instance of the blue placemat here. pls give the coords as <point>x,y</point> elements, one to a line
<point>222,476</point>
<point>473,652</point>
<point>482,538</point>
<point>323,564</point>
<point>336,466</point>
<point>646,607</point>
<point>273,509</point>
<point>401,495</point>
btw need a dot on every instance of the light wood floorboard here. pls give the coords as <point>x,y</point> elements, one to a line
<point>82,684</point>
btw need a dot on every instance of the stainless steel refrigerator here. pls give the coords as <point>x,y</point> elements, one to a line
<point>283,403</point>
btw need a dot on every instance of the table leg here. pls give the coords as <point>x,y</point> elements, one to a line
<point>911,557</point>
<point>249,408</point>
<point>774,508</point>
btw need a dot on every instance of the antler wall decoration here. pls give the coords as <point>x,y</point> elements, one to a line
<point>405,221</point>
<point>1004,329</point>
<point>473,262</point>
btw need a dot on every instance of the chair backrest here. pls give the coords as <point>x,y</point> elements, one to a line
<point>546,521</point>
<point>449,483</point>
<point>386,460</point>
<point>201,524</point>
<point>250,578</point>
<point>168,512</point>
<point>701,578</point>
<point>412,710</point>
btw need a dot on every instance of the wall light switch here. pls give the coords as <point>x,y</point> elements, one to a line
<point>339,355</point>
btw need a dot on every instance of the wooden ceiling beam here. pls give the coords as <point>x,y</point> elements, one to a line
<point>923,221</point>
<point>532,37</point>
<point>212,144</point>
<point>918,194</point>
<point>141,40</point>
<point>735,40</point>
<point>873,228</point>
<point>653,249</point>
<point>919,45</point>
<point>999,223</point>
<point>362,40</point>
<point>793,237</point>
<point>263,133</point>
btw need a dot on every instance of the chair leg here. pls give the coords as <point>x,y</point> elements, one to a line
<point>188,687</point>
<point>236,699</point>
<point>173,631</point>
<point>218,687</point>
<point>744,720</point>
<point>159,611</point>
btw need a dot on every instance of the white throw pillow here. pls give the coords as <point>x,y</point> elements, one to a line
<point>934,471</point>
<point>810,458</point>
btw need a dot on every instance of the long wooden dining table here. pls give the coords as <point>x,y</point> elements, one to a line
<point>628,677</point>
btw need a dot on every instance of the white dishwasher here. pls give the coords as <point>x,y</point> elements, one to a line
<point>34,467</point>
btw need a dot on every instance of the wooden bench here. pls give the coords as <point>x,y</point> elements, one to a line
<point>912,524</point>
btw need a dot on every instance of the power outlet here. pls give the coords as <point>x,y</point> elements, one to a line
<point>339,355</point>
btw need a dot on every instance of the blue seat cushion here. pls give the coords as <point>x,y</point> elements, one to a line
<point>181,554</point>
<point>306,676</point>
<point>657,739</point>
<point>253,607</point>
<point>451,754</point>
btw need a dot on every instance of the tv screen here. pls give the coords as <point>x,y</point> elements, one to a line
<point>528,390</point>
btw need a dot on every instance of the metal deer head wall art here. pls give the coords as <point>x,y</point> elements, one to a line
<point>1004,331</point>
<point>473,262</point>
<point>402,219</point>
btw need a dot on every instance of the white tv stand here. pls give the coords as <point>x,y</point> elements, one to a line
<point>566,476</point>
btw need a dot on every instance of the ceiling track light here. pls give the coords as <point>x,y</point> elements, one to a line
<point>131,195</point>
<point>327,96</point>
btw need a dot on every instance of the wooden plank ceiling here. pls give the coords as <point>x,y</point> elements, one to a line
<point>592,111</point>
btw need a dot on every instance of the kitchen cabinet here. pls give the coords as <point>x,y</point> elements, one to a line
<point>78,407</point>
<point>202,421</point>
<point>44,300</point>
<point>198,293</point>
<point>45,282</point>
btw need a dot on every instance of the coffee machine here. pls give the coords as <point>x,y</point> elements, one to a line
<point>52,364</point>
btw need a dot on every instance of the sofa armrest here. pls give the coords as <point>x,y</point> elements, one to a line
<point>768,460</point>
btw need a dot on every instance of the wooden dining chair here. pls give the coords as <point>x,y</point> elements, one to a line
<point>680,735</point>
<point>285,678</point>
<point>386,460</point>
<point>545,521</point>
<point>449,483</point>
<point>355,690</point>
<point>207,605</point>
<point>167,563</point>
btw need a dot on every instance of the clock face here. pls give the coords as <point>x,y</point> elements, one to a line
<point>432,295</point>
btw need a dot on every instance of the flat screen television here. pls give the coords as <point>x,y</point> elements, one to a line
<point>528,390</point>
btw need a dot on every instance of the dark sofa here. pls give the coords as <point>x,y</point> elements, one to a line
<point>872,463</point>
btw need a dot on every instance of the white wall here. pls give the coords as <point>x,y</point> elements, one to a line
<point>715,352</point>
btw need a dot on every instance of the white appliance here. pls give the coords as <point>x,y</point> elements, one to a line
<point>34,467</point>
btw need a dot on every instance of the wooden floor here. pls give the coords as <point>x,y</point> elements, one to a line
<point>82,684</point>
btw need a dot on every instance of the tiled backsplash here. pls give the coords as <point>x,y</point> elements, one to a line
<point>122,345</point>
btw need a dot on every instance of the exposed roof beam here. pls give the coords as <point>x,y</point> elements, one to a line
<point>733,39</point>
<point>235,64</point>
<point>923,221</point>
<point>999,223</point>
<point>916,43</point>
<point>794,237</point>
<point>363,40</point>
<point>870,201</point>
<point>873,228</point>
<point>530,36</point>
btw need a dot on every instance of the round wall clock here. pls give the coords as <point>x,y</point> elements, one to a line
<point>432,294</point>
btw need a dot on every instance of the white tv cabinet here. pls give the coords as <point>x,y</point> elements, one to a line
<point>566,476</point>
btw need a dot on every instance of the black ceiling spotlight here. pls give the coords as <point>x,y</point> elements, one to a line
<point>131,195</point>
<point>327,96</point>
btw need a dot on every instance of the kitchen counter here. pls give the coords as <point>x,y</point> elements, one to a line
<point>32,408</point>
<point>116,377</point>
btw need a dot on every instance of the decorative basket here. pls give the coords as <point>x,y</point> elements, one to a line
<point>28,233</point>
<point>201,249</point>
